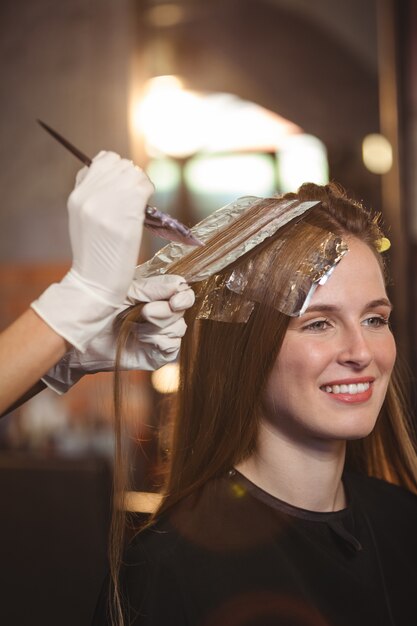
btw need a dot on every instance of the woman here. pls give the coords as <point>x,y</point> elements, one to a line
<point>289,429</point>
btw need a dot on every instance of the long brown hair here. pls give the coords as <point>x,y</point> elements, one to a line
<point>224,366</point>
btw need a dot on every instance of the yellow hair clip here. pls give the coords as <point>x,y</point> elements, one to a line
<point>383,244</point>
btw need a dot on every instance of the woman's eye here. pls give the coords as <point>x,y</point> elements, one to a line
<point>317,325</point>
<point>376,321</point>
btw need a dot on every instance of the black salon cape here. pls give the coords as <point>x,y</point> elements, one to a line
<point>233,555</point>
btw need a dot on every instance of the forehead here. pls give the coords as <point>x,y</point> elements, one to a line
<point>358,276</point>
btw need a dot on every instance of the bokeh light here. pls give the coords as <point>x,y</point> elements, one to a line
<point>166,379</point>
<point>302,158</point>
<point>377,153</point>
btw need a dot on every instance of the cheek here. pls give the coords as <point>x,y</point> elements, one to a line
<point>303,360</point>
<point>296,370</point>
<point>387,354</point>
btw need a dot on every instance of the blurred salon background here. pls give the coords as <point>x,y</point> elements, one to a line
<point>216,100</point>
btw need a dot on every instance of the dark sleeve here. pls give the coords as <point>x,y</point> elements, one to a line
<point>150,594</point>
<point>101,614</point>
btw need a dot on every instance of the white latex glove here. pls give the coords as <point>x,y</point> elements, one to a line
<point>106,213</point>
<point>155,342</point>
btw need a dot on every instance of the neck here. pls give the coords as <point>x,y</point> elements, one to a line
<point>304,475</point>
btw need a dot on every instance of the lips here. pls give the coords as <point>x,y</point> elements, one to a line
<point>349,391</point>
<point>352,389</point>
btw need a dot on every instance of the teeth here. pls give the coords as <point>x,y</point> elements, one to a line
<point>352,389</point>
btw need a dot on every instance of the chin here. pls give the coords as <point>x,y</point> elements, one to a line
<point>357,436</point>
<point>358,431</point>
<point>349,429</point>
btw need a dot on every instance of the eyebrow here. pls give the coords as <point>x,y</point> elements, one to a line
<point>331,307</point>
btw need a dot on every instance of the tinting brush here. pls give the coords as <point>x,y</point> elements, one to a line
<point>160,223</point>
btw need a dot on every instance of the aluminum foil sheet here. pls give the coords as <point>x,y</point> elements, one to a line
<point>274,214</point>
<point>250,281</point>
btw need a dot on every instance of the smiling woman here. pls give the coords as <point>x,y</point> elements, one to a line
<point>339,390</point>
<point>290,429</point>
<point>328,383</point>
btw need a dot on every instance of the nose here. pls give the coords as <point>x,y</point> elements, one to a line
<point>355,350</point>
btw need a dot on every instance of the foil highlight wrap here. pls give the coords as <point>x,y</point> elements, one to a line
<point>232,293</point>
<point>271,215</point>
<point>222,304</point>
<point>249,280</point>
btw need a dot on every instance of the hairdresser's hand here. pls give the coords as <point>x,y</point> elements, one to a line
<point>155,341</point>
<point>106,213</point>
